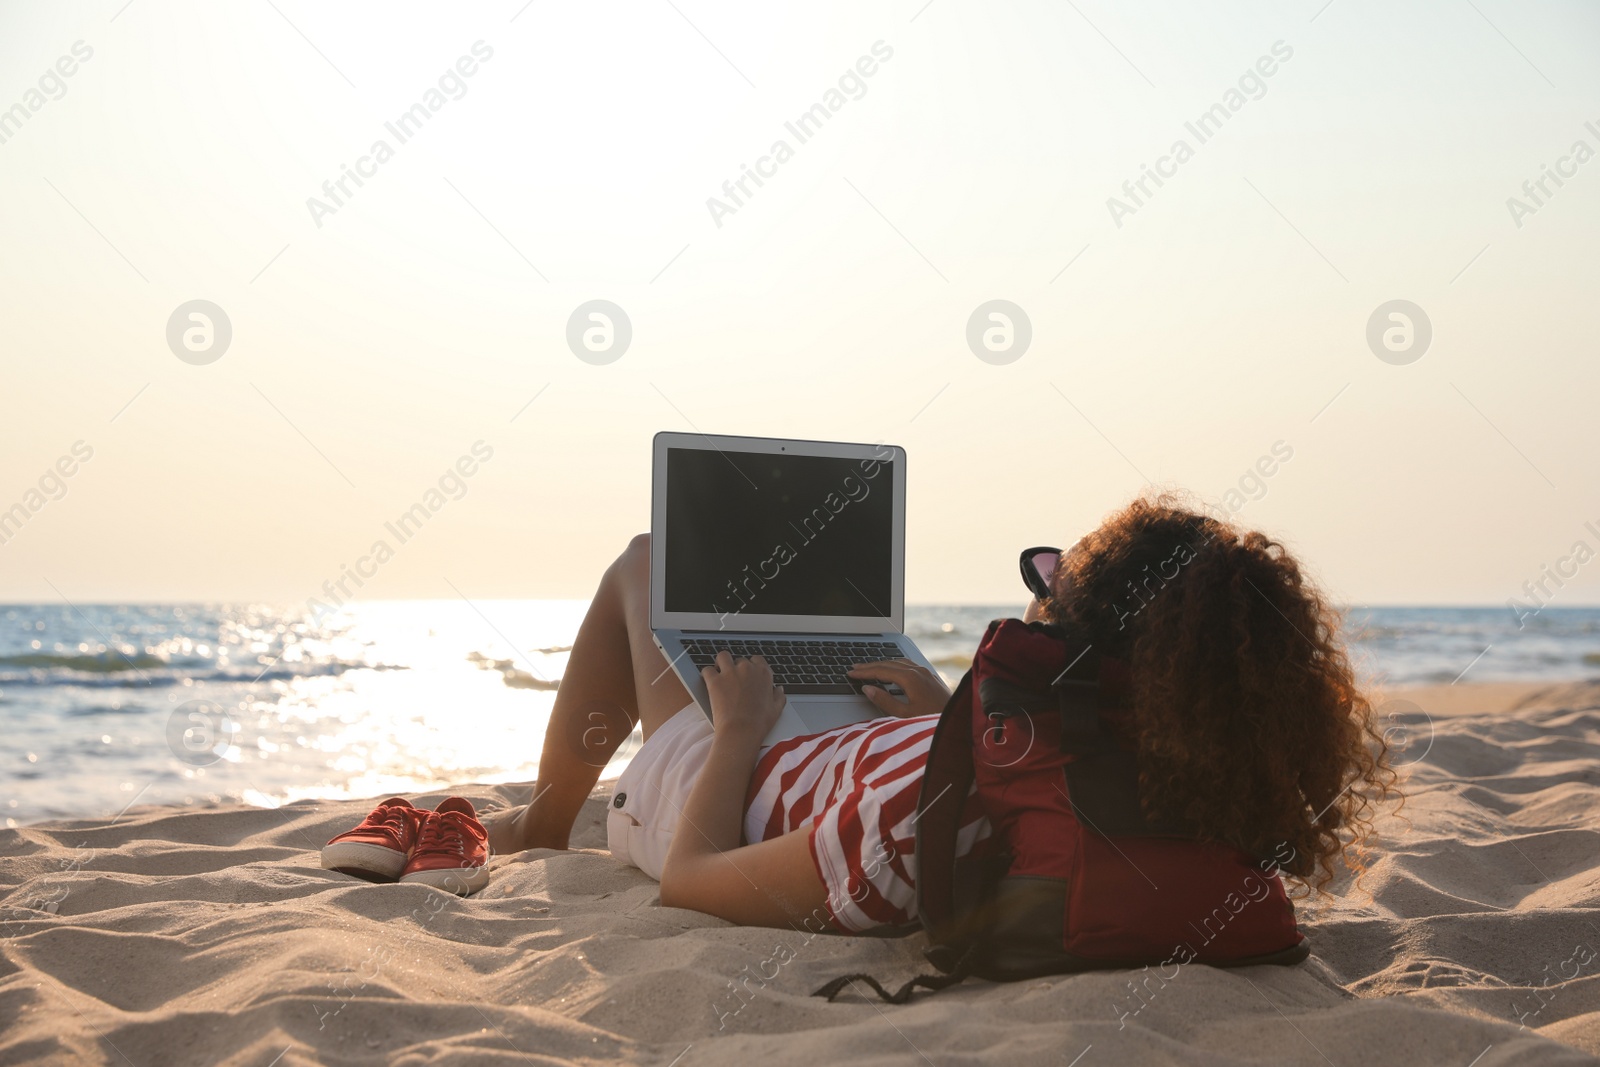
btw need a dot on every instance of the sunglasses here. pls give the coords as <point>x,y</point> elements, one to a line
<point>1038,568</point>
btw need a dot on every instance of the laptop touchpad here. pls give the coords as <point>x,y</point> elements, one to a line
<point>826,715</point>
<point>789,724</point>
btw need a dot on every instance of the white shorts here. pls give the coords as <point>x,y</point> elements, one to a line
<point>654,789</point>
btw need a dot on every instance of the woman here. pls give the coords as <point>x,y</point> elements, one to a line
<point>1232,651</point>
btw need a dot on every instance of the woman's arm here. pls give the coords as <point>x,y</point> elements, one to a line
<point>770,883</point>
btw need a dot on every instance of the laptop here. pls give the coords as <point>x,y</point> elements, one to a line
<point>792,550</point>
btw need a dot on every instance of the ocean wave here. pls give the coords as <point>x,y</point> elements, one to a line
<point>516,679</point>
<point>90,663</point>
<point>1370,633</point>
<point>514,676</point>
<point>98,671</point>
<point>95,711</point>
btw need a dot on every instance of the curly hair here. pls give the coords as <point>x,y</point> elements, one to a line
<point>1245,713</point>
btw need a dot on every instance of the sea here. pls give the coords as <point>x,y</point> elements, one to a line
<point>107,707</point>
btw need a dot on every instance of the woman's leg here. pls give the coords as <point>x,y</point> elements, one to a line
<point>615,677</point>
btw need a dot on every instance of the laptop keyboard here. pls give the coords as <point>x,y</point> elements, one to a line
<point>802,667</point>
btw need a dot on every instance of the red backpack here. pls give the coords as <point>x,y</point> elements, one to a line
<point>1073,876</point>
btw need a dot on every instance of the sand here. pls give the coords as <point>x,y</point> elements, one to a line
<point>211,936</point>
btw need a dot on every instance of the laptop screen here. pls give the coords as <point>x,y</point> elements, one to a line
<point>778,534</point>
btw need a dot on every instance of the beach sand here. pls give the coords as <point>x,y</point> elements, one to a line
<point>211,936</point>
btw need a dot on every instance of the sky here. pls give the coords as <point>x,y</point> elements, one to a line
<point>1184,335</point>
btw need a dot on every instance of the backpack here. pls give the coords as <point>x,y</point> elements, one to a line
<point>1073,876</point>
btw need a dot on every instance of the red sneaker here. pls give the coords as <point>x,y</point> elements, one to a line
<point>376,850</point>
<point>452,850</point>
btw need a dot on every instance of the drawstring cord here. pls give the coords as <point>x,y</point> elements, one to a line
<point>900,996</point>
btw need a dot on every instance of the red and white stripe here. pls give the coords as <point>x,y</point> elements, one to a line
<point>856,788</point>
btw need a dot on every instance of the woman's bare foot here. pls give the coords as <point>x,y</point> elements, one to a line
<point>502,830</point>
<point>511,830</point>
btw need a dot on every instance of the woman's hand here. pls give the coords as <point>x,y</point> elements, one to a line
<point>744,702</point>
<point>925,691</point>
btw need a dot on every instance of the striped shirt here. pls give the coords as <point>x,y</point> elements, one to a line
<point>856,788</point>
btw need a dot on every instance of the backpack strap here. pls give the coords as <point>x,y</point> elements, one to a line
<point>1078,696</point>
<point>1103,778</point>
<point>946,781</point>
<point>949,893</point>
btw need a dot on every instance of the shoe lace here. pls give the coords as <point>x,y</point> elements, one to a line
<point>443,834</point>
<point>394,818</point>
